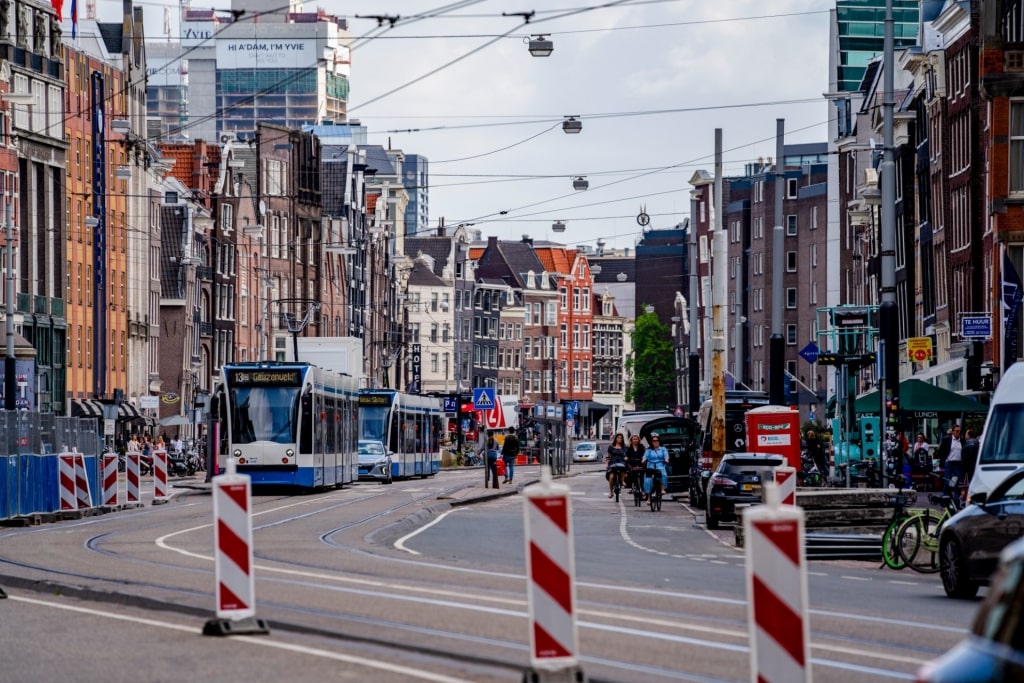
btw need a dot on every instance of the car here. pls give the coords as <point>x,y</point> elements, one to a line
<point>586,451</point>
<point>374,461</point>
<point>679,437</point>
<point>970,542</point>
<point>737,481</point>
<point>993,651</point>
<point>1001,450</point>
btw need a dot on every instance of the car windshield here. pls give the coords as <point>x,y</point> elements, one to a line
<point>371,449</point>
<point>586,447</point>
<point>1000,442</point>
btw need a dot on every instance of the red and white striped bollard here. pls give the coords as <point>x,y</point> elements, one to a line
<point>131,477</point>
<point>233,559</point>
<point>110,488</point>
<point>776,568</point>
<point>785,479</point>
<point>551,576</point>
<point>160,476</point>
<point>66,481</point>
<point>82,482</point>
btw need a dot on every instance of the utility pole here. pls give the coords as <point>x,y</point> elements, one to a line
<point>776,344</point>
<point>719,297</point>
<point>693,366</point>
<point>10,362</point>
<point>889,333</point>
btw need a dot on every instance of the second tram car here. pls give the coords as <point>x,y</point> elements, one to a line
<point>290,424</point>
<point>409,425</point>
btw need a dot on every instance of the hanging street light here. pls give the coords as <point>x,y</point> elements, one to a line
<point>540,46</point>
<point>558,226</point>
<point>572,125</point>
<point>580,183</point>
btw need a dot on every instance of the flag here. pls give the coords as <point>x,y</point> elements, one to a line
<point>1012,294</point>
<point>58,7</point>
<point>74,19</point>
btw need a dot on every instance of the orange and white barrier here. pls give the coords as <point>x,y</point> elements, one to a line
<point>785,479</point>
<point>131,477</point>
<point>82,482</point>
<point>776,568</point>
<point>233,557</point>
<point>160,475</point>
<point>110,488</point>
<point>551,575</point>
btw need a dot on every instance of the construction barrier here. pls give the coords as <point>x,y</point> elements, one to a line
<point>67,481</point>
<point>160,493</point>
<point>82,487</point>
<point>785,479</point>
<point>776,568</point>
<point>110,496</point>
<point>233,557</point>
<point>131,477</point>
<point>551,577</point>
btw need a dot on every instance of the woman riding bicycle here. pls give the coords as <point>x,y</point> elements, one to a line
<point>656,457</point>
<point>616,468</point>
<point>634,457</point>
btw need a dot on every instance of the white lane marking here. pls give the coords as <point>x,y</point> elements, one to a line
<point>400,543</point>
<point>260,641</point>
<point>856,578</point>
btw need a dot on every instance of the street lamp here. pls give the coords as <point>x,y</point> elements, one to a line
<point>558,226</point>
<point>572,125</point>
<point>541,46</point>
<point>580,183</point>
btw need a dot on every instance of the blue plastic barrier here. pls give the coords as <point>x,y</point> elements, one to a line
<point>7,499</point>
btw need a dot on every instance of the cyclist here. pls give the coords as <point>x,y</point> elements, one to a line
<point>634,458</point>
<point>656,457</point>
<point>616,468</point>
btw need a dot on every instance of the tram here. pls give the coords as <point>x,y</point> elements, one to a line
<point>410,427</point>
<point>289,424</point>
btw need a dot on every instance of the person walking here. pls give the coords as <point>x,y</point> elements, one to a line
<point>951,456</point>
<point>970,454</point>
<point>509,453</point>
<point>490,453</point>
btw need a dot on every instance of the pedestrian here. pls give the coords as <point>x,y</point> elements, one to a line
<point>490,453</point>
<point>509,453</point>
<point>816,452</point>
<point>951,458</point>
<point>176,445</point>
<point>970,454</point>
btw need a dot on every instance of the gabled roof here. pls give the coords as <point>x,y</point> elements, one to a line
<point>520,259</point>
<point>556,259</point>
<point>172,226</point>
<point>438,248</point>
<point>422,276</point>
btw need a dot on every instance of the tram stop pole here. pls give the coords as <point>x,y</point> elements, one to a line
<point>551,583</point>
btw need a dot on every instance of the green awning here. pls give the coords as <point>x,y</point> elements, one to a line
<point>921,399</point>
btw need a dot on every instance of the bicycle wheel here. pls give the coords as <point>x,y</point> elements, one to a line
<point>890,548</point>
<point>918,541</point>
<point>657,504</point>
<point>814,480</point>
<point>638,495</point>
<point>618,488</point>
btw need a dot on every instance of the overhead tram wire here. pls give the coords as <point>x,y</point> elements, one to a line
<point>500,149</point>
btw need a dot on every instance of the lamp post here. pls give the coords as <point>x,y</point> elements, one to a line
<point>10,362</point>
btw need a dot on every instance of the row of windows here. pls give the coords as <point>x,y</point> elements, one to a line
<point>580,298</point>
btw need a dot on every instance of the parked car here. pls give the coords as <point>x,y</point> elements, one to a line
<point>374,461</point>
<point>971,541</point>
<point>993,652</point>
<point>586,451</point>
<point>679,437</point>
<point>737,481</point>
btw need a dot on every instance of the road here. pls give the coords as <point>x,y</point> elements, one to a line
<point>391,583</point>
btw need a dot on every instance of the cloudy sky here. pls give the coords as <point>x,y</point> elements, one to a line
<point>650,79</point>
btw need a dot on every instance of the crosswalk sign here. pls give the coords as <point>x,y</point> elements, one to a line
<point>483,398</point>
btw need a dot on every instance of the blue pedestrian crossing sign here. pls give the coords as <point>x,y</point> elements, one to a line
<point>483,398</point>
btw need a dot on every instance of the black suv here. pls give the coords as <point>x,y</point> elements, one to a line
<point>738,480</point>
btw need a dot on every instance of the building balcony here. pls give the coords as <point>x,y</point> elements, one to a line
<point>29,304</point>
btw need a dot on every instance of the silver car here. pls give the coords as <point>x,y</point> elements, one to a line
<point>374,461</point>
<point>586,451</point>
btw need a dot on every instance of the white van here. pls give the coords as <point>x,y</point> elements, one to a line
<point>1002,440</point>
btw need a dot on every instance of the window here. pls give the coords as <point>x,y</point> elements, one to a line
<point>791,297</point>
<point>563,295</point>
<point>575,298</point>
<point>1016,145</point>
<point>586,298</point>
<point>814,218</point>
<point>551,316</point>
<point>791,335</point>
<point>790,188</point>
<point>790,261</point>
<point>791,225</point>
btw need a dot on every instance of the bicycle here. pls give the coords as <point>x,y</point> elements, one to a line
<point>655,496</point>
<point>918,540</point>
<point>637,486</point>
<point>615,472</point>
<point>890,548</point>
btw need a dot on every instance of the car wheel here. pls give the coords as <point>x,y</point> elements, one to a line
<point>711,520</point>
<point>953,569</point>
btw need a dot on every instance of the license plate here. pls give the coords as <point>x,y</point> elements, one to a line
<point>252,460</point>
<point>751,488</point>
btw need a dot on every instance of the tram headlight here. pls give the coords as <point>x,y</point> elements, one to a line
<point>238,453</point>
<point>289,453</point>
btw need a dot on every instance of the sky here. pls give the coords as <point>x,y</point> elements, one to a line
<point>651,80</point>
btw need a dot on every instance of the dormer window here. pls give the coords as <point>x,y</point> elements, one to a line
<point>545,280</point>
<point>531,280</point>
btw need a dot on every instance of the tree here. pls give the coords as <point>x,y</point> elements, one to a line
<point>651,365</point>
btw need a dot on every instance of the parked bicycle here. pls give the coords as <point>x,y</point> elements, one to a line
<point>900,513</point>
<point>809,474</point>
<point>918,540</point>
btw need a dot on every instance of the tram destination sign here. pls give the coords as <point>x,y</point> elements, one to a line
<point>265,378</point>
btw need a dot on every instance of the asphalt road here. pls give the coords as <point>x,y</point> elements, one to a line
<point>390,583</point>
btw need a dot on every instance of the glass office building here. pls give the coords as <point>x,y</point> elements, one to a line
<point>861,28</point>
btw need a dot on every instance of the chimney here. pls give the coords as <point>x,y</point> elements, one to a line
<point>492,241</point>
<point>527,240</point>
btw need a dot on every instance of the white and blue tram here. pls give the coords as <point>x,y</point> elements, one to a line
<point>409,425</point>
<point>290,424</point>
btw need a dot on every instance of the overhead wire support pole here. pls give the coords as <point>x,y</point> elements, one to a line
<point>719,277</point>
<point>10,362</point>
<point>889,333</point>
<point>776,344</point>
<point>693,365</point>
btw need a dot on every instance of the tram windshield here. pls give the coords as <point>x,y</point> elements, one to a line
<point>264,414</point>
<point>373,422</point>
